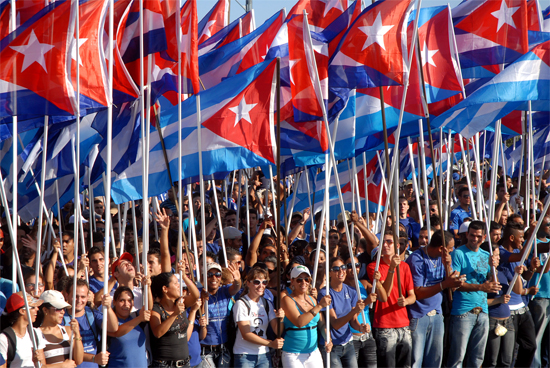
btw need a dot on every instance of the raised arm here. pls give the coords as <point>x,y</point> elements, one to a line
<point>252,254</point>
<point>164,222</point>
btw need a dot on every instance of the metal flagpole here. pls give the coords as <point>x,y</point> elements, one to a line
<point>201,183</point>
<point>416,192</point>
<point>218,216</point>
<point>192,233</point>
<point>366,188</point>
<point>474,214</point>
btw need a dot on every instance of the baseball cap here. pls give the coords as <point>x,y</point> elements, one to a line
<point>124,257</point>
<point>297,214</point>
<point>298,270</point>
<point>231,232</point>
<point>213,265</point>
<point>408,182</point>
<point>16,301</point>
<point>55,298</point>
<point>340,218</point>
<point>464,227</point>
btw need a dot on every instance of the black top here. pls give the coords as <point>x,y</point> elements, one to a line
<point>173,344</point>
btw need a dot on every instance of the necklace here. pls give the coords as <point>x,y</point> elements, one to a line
<point>430,259</point>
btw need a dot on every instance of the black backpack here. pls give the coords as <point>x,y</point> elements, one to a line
<point>232,325</point>
<point>12,343</point>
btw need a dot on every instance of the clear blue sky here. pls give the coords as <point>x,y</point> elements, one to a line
<point>263,9</point>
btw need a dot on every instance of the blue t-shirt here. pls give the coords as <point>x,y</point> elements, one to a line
<point>500,310</point>
<point>6,287</point>
<point>475,265</point>
<point>360,319</point>
<point>218,315</point>
<point>193,344</point>
<point>89,341</point>
<point>509,268</point>
<point>96,285</point>
<point>544,286</point>
<point>213,247</point>
<point>343,302</point>
<point>425,271</point>
<point>128,350</point>
<point>457,217</point>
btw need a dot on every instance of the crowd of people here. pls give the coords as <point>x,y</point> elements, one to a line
<point>397,294</point>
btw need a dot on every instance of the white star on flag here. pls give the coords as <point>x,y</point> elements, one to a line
<point>291,64</point>
<point>504,15</point>
<point>242,111</point>
<point>206,31</point>
<point>34,52</point>
<point>427,55</point>
<point>375,33</point>
<point>330,4</point>
<point>81,42</point>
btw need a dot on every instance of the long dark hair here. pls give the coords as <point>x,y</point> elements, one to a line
<point>9,319</point>
<point>157,282</point>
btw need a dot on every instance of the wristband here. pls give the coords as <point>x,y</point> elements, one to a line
<point>391,272</point>
<point>93,359</point>
<point>78,339</point>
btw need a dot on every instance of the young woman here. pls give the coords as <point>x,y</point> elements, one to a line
<point>253,313</point>
<point>301,319</point>
<point>57,338</point>
<point>169,323</point>
<point>127,345</point>
<point>346,305</point>
<point>16,320</point>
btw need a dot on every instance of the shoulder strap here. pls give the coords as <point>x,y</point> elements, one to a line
<point>91,321</point>
<point>247,303</point>
<point>266,305</point>
<point>12,344</point>
<point>66,319</point>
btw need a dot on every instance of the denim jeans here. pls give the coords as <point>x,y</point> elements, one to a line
<point>427,341</point>
<point>343,356</point>
<point>525,338</point>
<point>365,352</point>
<point>468,333</point>
<point>252,361</point>
<point>540,311</point>
<point>215,359</point>
<point>394,346</point>
<point>297,360</point>
<point>500,349</point>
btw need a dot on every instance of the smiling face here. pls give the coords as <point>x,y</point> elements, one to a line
<point>301,283</point>
<point>123,305</point>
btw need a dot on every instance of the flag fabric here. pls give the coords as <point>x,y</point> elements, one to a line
<point>527,79</point>
<point>214,21</point>
<point>533,16</point>
<point>25,11</point>
<point>546,20</point>
<point>373,52</point>
<point>320,13</point>
<point>491,32</point>
<point>239,55</point>
<point>226,35</point>
<point>36,65</point>
<point>237,132</point>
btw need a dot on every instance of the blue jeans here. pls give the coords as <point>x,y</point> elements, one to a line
<point>427,341</point>
<point>343,356</point>
<point>215,359</point>
<point>468,333</point>
<point>540,310</point>
<point>365,351</point>
<point>393,346</point>
<point>252,361</point>
<point>500,349</point>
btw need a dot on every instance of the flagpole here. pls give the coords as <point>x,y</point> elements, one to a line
<point>474,214</point>
<point>124,224</point>
<point>239,187</point>
<point>296,180</point>
<point>327,232</point>
<point>366,189</point>
<point>192,233</point>
<point>416,192</point>
<point>532,159</point>
<point>219,218</point>
<point>40,204</point>
<point>354,164</point>
<point>247,205</point>
<point>494,172</point>
<point>181,234</point>
<point>276,213</point>
<point>422,154</point>
<point>450,153</point>
<point>312,229</point>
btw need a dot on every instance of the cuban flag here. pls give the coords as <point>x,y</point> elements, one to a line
<point>214,21</point>
<point>374,49</point>
<point>320,13</point>
<point>237,132</point>
<point>25,11</point>
<point>527,79</point>
<point>230,33</point>
<point>546,20</point>
<point>491,32</point>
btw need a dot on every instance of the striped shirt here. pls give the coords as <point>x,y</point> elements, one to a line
<point>57,352</point>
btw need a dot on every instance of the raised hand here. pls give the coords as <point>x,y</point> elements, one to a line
<point>163,219</point>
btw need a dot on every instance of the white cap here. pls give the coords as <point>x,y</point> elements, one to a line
<point>298,270</point>
<point>71,219</point>
<point>55,298</point>
<point>231,232</point>
<point>464,227</point>
<point>213,265</point>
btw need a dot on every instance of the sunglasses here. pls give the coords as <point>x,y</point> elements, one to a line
<point>300,280</point>
<point>217,274</point>
<point>258,282</point>
<point>57,310</point>
<point>466,196</point>
<point>338,268</point>
<point>547,224</point>
<point>357,265</point>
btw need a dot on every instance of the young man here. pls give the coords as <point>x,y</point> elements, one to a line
<point>233,238</point>
<point>97,264</point>
<point>469,324</point>
<point>428,268</point>
<point>391,321</point>
<point>462,211</point>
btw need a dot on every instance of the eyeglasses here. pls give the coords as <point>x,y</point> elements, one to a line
<point>32,286</point>
<point>258,282</point>
<point>338,268</point>
<point>217,274</point>
<point>57,310</point>
<point>357,265</point>
<point>300,280</point>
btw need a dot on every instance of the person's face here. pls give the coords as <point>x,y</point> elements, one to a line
<point>496,256</point>
<point>338,271</point>
<point>237,261</point>
<point>387,247</point>
<point>235,243</point>
<point>409,190</point>
<point>253,220</point>
<point>116,231</point>
<point>519,221</point>
<point>172,195</point>
<point>504,217</point>
<point>31,286</point>
<point>423,238</point>
<point>301,282</point>
<point>199,247</point>
<point>518,239</point>
<point>403,207</point>
<point>32,311</point>
<point>434,211</point>
<point>513,192</point>
<point>123,305</point>
<point>501,192</point>
<point>153,266</point>
<point>322,257</point>
<point>196,204</point>
<point>464,198</point>
<point>126,268</point>
<point>545,226</point>
<point>68,245</point>
<point>495,236</point>
<point>81,298</point>
<point>451,246</point>
<point>97,263</point>
<point>99,208</point>
<point>350,264</point>
<point>231,220</point>
<point>1,241</point>
<point>333,239</point>
<point>256,287</point>
<point>475,237</point>
<point>266,252</point>
<point>173,288</point>
<point>214,279</point>
<point>54,314</point>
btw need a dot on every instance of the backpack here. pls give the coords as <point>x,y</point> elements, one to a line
<point>89,317</point>
<point>232,325</point>
<point>12,344</point>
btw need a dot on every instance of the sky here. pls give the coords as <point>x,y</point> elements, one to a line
<point>263,9</point>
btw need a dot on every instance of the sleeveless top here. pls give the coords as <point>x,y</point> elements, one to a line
<point>173,344</point>
<point>301,340</point>
<point>57,352</point>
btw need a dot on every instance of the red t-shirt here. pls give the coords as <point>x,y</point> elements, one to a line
<point>389,314</point>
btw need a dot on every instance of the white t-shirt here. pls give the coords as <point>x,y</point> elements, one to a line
<point>24,352</point>
<point>138,297</point>
<point>259,321</point>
